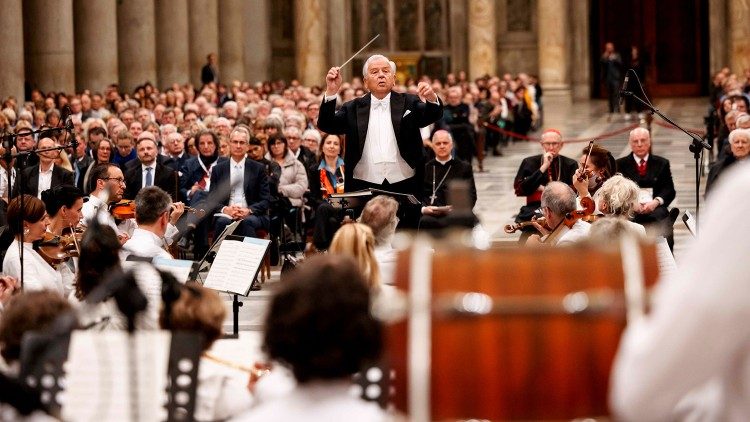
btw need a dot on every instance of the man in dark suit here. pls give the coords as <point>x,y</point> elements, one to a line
<point>383,143</point>
<point>46,174</point>
<point>439,172</point>
<point>209,73</point>
<point>653,176</point>
<point>174,151</point>
<point>149,172</point>
<point>240,188</point>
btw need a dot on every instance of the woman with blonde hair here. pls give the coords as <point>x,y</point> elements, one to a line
<point>357,241</point>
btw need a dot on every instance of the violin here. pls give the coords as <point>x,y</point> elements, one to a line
<point>56,249</point>
<point>570,218</point>
<point>512,228</point>
<point>124,209</point>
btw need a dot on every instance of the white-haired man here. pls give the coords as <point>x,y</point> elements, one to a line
<point>383,143</point>
<point>653,175</point>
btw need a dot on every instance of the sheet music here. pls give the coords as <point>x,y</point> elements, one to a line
<point>645,195</point>
<point>236,264</point>
<point>180,268</point>
<point>99,376</point>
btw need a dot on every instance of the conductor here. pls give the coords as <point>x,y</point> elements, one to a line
<point>383,144</point>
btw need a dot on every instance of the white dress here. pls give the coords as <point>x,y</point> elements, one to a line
<point>38,274</point>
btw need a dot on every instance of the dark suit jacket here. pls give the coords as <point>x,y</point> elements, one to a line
<point>257,192</point>
<point>164,177</point>
<point>60,176</point>
<point>459,170</point>
<point>192,172</point>
<point>173,163</point>
<point>82,166</point>
<point>658,177</point>
<point>352,120</point>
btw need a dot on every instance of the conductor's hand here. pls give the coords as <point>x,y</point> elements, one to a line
<point>333,81</point>
<point>425,91</point>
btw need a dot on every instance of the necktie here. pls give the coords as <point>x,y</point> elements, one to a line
<point>149,178</point>
<point>642,168</point>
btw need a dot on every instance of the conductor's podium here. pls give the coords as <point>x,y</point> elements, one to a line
<point>511,333</point>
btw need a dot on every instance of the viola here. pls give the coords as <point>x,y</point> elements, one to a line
<point>512,228</point>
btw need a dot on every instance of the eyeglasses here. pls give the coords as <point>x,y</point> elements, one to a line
<point>117,179</point>
<point>551,144</point>
<point>238,142</point>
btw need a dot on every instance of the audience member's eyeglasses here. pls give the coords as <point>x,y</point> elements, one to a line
<point>117,179</point>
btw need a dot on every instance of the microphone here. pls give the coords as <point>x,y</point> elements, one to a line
<point>624,87</point>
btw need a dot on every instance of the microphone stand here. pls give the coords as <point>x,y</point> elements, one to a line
<point>9,140</point>
<point>697,144</point>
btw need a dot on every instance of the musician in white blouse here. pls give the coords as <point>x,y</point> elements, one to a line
<point>28,225</point>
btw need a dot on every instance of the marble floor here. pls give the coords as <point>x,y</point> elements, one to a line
<point>497,204</point>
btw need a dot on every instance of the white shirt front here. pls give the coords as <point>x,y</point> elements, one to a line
<point>45,180</point>
<point>145,244</point>
<point>38,274</point>
<point>144,172</point>
<point>688,359</point>
<point>579,231</point>
<point>237,182</point>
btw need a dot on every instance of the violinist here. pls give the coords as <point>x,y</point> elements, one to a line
<point>599,165</point>
<point>108,185</point>
<point>28,225</point>
<point>154,211</point>
<point>538,170</point>
<point>558,199</point>
<point>64,204</point>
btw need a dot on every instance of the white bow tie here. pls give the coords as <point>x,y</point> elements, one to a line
<point>379,104</point>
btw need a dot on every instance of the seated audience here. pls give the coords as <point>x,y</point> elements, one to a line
<point>46,174</point>
<point>102,154</point>
<point>739,144</point>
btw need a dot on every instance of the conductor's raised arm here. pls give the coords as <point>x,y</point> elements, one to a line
<point>329,120</point>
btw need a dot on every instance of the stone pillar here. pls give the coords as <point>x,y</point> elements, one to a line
<point>257,35</point>
<point>739,35</point>
<point>172,52</point>
<point>50,64</point>
<point>136,41</point>
<point>338,42</point>
<point>580,54</point>
<point>96,43</point>
<point>231,55</point>
<point>311,33</point>
<point>11,50</point>
<point>554,44</point>
<point>204,36</point>
<point>482,38</point>
<point>458,41</point>
<point>717,35</point>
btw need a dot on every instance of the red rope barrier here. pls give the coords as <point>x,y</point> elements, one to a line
<point>599,137</point>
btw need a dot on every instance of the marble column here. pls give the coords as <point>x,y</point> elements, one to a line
<point>136,41</point>
<point>203,21</point>
<point>96,43</point>
<point>231,54</point>
<point>338,42</point>
<point>311,33</point>
<point>172,53</point>
<point>580,53</point>
<point>257,36</point>
<point>739,35</point>
<point>49,61</point>
<point>482,38</point>
<point>11,50</point>
<point>553,48</point>
<point>458,41</point>
<point>717,35</point>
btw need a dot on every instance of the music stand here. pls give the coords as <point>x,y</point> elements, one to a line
<point>208,258</point>
<point>358,199</point>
